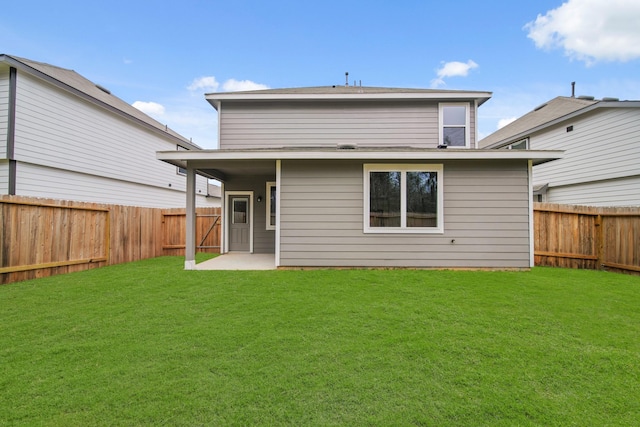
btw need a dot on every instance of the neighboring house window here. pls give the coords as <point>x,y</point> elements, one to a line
<point>522,144</point>
<point>454,125</point>
<point>403,198</point>
<point>179,170</point>
<point>271,205</point>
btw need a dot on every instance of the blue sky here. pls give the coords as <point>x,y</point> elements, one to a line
<point>163,56</point>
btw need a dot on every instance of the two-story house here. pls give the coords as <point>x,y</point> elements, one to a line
<point>601,141</point>
<point>343,176</point>
<point>65,137</point>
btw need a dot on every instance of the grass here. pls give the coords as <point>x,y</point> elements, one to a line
<point>149,344</point>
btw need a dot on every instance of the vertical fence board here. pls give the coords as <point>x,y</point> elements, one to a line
<point>44,237</point>
<point>587,237</point>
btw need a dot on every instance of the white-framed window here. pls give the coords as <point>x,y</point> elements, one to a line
<point>454,128</point>
<point>179,170</point>
<point>271,205</point>
<point>522,144</point>
<point>403,198</point>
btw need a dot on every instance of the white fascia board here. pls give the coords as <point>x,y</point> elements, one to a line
<point>538,156</point>
<point>345,96</point>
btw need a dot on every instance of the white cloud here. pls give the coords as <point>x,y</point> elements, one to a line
<point>452,69</point>
<point>590,30</point>
<point>195,122</point>
<point>208,84</point>
<point>503,122</point>
<point>233,85</point>
<point>151,108</point>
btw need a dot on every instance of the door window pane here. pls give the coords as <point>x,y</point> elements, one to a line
<point>240,211</point>
<point>422,199</point>
<point>384,202</point>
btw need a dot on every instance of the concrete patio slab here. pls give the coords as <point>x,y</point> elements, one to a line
<point>239,261</point>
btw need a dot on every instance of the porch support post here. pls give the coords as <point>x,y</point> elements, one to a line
<point>190,247</point>
<point>278,191</point>
<point>532,248</point>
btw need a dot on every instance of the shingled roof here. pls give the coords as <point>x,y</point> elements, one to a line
<point>545,113</point>
<point>75,83</point>
<point>341,89</point>
<point>348,93</point>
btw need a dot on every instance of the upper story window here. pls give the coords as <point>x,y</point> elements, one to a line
<point>454,125</point>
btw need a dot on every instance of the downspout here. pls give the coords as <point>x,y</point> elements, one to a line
<point>190,245</point>
<point>11,131</point>
<point>475,120</point>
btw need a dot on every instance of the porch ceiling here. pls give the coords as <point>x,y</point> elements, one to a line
<point>222,169</point>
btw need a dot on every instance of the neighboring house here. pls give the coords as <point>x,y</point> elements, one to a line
<point>601,141</point>
<point>64,137</point>
<point>353,176</point>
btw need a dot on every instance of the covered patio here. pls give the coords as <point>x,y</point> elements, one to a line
<point>239,261</point>
<point>321,190</point>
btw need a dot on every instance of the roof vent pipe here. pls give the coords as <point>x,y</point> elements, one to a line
<point>573,89</point>
<point>346,76</point>
<point>104,89</point>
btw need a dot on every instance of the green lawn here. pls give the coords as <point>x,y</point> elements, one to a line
<point>149,344</point>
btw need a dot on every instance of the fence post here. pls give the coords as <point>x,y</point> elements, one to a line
<point>599,242</point>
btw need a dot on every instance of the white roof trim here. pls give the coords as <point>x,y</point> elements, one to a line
<point>181,157</point>
<point>239,96</point>
<point>397,95</point>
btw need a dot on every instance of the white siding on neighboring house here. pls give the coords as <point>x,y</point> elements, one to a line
<point>4,176</point>
<point>57,129</point>
<point>41,181</point>
<point>613,192</point>
<point>604,144</point>
<point>374,124</point>
<point>4,109</point>
<point>486,219</point>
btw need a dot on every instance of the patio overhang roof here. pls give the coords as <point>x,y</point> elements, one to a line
<point>220,163</point>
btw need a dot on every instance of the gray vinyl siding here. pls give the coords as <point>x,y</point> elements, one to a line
<point>264,241</point>
<point>42,181</point>
<point>472,126</point>
<point>380,123</point>
<point>614,192</point>
<point>106,156</point>
<point>486,212</point>
<point>4,110</point>
<point>603,145</point>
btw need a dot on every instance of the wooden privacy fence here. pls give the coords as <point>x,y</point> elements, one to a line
<point>41,237</point>
<point>587,237</point>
